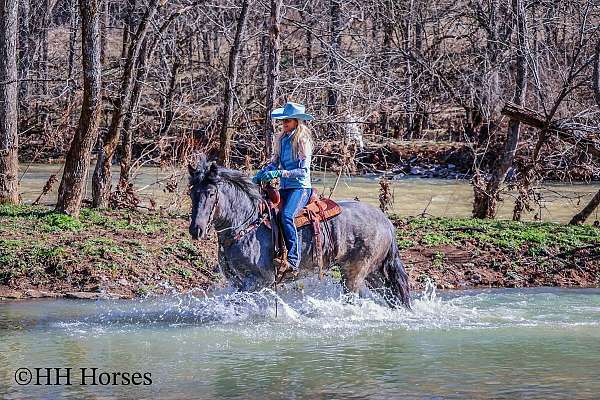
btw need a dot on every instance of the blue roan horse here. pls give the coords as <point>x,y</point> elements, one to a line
<point>360,240</point>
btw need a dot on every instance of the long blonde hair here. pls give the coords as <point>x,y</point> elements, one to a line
<point>302,141</point>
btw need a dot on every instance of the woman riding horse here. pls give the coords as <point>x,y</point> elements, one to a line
<point>291,163</point>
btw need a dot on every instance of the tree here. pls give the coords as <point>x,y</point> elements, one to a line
<point>77,162</point>
<point>335,28</point>
<point>486,196</point>
<point>230,85</point>
<point>584,214</point>
<point>9,140</point>
<point>272,72</point>
<point>101,182</point>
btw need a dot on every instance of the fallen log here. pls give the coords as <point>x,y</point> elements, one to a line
<point>537,120</point>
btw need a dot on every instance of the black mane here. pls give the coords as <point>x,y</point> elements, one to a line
<point>239,181</point>
<point>210,173</point>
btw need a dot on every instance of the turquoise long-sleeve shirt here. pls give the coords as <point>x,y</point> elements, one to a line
<point>296,171</point>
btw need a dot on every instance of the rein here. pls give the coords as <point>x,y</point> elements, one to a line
<point>237,236</point>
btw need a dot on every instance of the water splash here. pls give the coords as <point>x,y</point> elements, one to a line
<point>321,309</point>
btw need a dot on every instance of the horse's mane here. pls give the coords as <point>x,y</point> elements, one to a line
<point>237,180</point>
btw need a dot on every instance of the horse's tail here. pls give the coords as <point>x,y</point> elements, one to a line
<point>395,277</point>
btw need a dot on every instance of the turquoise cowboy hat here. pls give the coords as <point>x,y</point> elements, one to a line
<point>291,111</point>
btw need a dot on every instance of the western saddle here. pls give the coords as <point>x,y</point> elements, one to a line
<point>317,209</point>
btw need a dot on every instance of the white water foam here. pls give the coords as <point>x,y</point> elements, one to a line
<point>321,309</point>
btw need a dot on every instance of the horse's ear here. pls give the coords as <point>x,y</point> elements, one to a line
<point>213,170</point>
<point>192,170</point>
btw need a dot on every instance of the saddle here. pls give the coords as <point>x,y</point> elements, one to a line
<point>317,209</point>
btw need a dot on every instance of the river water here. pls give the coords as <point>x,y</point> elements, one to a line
<point>505,343</point>
<point>412,196</point>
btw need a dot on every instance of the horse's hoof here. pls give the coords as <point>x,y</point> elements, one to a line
<point>286,271</point>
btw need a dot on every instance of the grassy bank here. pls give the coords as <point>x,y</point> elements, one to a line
<point>112,253</point>
<point>461,253</point>
<point>126,254</point>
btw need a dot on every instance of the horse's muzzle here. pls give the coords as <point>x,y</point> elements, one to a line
<point>195,232</point>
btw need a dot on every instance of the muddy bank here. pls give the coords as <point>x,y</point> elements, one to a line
<point>467,253</point>
<point>123,254</point>
<point>103,254</point>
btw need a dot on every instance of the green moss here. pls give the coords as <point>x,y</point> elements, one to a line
<point>507,235</point>
<point>438,260</point>
<point>435,239</point>
<point>21,258</point>
<point>183,272</point>
<point>404,244</point>
<point>55,222</point>
<point>101,247</point>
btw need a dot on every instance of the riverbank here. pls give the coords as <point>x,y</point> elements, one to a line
<point>394,157</point>
<point>124,254</point>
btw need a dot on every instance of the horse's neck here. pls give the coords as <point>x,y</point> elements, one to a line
<point>234,213</point>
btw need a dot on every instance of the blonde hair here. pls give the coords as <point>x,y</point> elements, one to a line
<point>302,142</point>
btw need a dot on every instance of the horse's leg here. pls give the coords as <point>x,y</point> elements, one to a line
<point>391,276</point>
<point>353,278</point>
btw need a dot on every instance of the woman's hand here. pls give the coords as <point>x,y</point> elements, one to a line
<point>270,175</point>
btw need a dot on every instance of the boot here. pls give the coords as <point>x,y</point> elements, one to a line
<point>286,269</point>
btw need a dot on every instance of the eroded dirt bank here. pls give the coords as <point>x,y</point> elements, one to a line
<point>128,254</point>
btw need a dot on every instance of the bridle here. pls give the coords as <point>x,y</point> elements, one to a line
<point>251,226</point>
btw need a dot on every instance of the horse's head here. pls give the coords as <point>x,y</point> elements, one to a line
<point>204,195</point>
<point>228,200</point>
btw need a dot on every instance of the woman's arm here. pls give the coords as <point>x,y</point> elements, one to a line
<point>303,164</point>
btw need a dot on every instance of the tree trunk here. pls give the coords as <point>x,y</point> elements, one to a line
<point>168,102</point>
<point>73,24</point>
<point>206,50</point>
<point>104,32</point>
<point>24,55</point>
<point>9,140</point>
<point>127,27</point>
<point>584,214</point>
<point>596,74</point>
<point>335,28</point>
<point>45,19</point>
<point>386,50</point>
<point>130,117</point>
<point>77,162</point>
<point>486,196</point>
<point>129,120</point>
<point>272,73</point>
<point>309,38</point>
<point>101,182</point>
<point>408,100</point>
<point>232,75</point>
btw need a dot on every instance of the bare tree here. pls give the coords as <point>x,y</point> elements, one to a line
<point>335,45</point>
<point>486,197</point>
<point>24,52</point>
<point>230,86</point>
<point>9,141</point>
<point>77,162</point>
<point>101,183</point>
<point>272,72</point>
<point>584,214</point>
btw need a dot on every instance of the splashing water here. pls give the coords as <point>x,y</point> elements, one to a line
<point>508,343</point>
<point>321,309</point>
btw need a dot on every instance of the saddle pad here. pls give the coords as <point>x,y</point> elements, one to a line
<point>330,210</point>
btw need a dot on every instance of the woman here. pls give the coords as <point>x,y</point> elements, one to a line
<point>291,163</point>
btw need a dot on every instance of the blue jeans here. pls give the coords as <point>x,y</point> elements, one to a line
<point>293,200</point>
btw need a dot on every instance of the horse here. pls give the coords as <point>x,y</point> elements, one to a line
<point>361,240</point>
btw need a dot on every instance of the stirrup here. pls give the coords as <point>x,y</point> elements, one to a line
<point>284,270</point>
